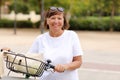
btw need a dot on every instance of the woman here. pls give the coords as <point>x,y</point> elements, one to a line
<point>60,45</point>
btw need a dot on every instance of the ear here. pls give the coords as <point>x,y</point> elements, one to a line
<point>48,21</point>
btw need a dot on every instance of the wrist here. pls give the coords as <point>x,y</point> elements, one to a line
<point>66,67</point>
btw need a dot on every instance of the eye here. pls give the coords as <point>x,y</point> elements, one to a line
<point>59,18</point>
<point>52,17</point>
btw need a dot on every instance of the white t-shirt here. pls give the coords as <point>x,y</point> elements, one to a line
<point>60,50</point>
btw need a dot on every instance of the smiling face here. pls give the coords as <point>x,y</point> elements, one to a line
<point>55,22</point>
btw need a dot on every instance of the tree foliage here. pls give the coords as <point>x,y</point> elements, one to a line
<point>74,7</point>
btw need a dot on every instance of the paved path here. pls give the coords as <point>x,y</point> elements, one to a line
<point>101,51</point>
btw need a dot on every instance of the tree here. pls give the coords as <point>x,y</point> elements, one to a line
<point>112,6</point>
<point>0,7</point>
<point>21,7</point>
<point>105,8</point>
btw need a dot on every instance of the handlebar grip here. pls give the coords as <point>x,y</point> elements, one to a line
<point>51,66</point>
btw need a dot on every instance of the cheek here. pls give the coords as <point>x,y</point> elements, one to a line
<point>49,22</point>
<point>62,22</point>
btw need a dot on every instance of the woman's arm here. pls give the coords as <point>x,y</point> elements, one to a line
<point>76,63</point>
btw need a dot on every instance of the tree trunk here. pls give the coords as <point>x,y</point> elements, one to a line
<point>0,8</point>
<point>112,16</point>
<point>41,26</point>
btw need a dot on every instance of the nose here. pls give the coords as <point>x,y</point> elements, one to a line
<point>56,21</point>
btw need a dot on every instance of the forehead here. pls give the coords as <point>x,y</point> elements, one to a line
<point>57,15</point>
<point>52,13</point>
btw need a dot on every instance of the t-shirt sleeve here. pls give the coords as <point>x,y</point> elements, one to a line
<point>77,50</point>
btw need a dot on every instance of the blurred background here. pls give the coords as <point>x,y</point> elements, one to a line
<point>100,15</point>
<point>97,23</point>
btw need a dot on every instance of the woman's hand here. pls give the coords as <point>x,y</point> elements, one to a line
<point>5,49</point>
<point>76,63</point>
<point>60,68</point>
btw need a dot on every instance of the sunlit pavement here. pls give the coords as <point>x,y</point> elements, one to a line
<point>101,52</point>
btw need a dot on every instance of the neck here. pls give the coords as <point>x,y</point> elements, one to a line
<point>56,34</point>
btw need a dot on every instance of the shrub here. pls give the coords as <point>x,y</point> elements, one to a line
<point>6,23</point>
<point>94,23</point>
<point>20,24</point>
